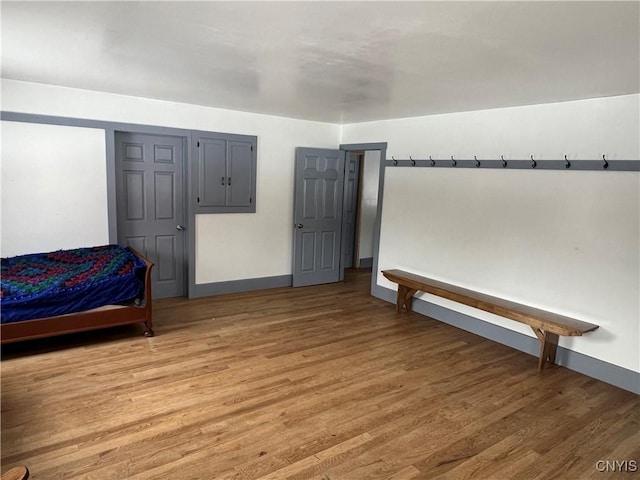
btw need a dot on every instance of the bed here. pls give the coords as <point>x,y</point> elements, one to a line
<point>69,291</point>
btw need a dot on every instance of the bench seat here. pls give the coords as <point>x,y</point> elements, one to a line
<point>547,326</point>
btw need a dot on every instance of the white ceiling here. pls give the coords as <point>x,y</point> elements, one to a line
<point>336,62</point>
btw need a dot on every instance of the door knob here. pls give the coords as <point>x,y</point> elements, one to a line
<point>180,227</point>
<point>298,225</point>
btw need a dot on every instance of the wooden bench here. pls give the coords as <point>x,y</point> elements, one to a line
<point>547,326</point>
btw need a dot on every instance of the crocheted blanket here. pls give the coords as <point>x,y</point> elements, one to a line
<point>68,281</point>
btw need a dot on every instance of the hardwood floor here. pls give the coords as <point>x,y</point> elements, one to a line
<point>320,382</point>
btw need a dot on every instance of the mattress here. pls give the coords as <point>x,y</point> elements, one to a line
<point>68,281</point>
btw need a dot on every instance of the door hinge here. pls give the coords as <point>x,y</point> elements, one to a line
<point>198,199</point>
<point>252,148</point>
<point>250,200</point>
<point>198,144</point>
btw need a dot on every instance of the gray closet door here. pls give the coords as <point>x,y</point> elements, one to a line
<point>149,186</point>
<point>225,175</point>
<point>318,193</point>
<point>352,175</point>
<point>212,178</point>
<point>239,174</point>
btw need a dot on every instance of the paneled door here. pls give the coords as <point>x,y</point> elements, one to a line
<point>317,225</point>
<point>149,202</point>
<point>350,210</point>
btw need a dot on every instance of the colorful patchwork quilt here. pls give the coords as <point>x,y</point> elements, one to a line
<point>68,281</point>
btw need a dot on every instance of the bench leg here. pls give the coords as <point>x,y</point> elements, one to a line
<point>548,347</point>
<point>405,298</point>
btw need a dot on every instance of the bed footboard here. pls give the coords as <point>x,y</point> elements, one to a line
<point>148,301</point>
<point>107,316</point>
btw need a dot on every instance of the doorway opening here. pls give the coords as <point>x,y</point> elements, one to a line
<point>362,172</point>
<point>380,149</point>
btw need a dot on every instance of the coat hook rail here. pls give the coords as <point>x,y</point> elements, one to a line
<point>520,164</point>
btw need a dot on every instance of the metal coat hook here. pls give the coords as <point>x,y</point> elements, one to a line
<point>453,162</point>
<point>568,163</point>
<point>533,164</point>
<point>504,162</point>
<point>413,162</point>
<point>477,161</point>
<point>433,162</point>
<point>395,162</point>
<point>606,164</point>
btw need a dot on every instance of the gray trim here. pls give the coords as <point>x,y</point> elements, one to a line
<point>361,147</point>
<point>593,367</point>
<point>382,146</point>
<point>366,262</point>
<point>110,155</point>
<point>224,136</point>
<point>597,165</point>
<point>238,286</point>
<point>86,123</point>
<point>52,120</point>
<point>191,220</point>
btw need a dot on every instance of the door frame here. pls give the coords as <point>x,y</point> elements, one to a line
<point>188,253</point>
<point>356,212</point>
<point>363,147</point>
<point>356,236</point>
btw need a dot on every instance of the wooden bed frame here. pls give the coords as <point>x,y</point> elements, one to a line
<point>107,316</point>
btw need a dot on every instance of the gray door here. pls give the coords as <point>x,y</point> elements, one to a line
<point>239,178</point>
<point>318,193</point>
<point>352,171</point>
<point>149,201</point>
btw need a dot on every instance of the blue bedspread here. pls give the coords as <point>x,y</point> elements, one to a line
<point>68,281</point>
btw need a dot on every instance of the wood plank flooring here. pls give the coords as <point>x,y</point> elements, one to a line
<point>321,382</point>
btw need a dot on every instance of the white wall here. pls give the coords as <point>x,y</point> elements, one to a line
<point>369,202</point>
<point>566,241</point>
<point>54,187</point>
<point>228,246</point>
